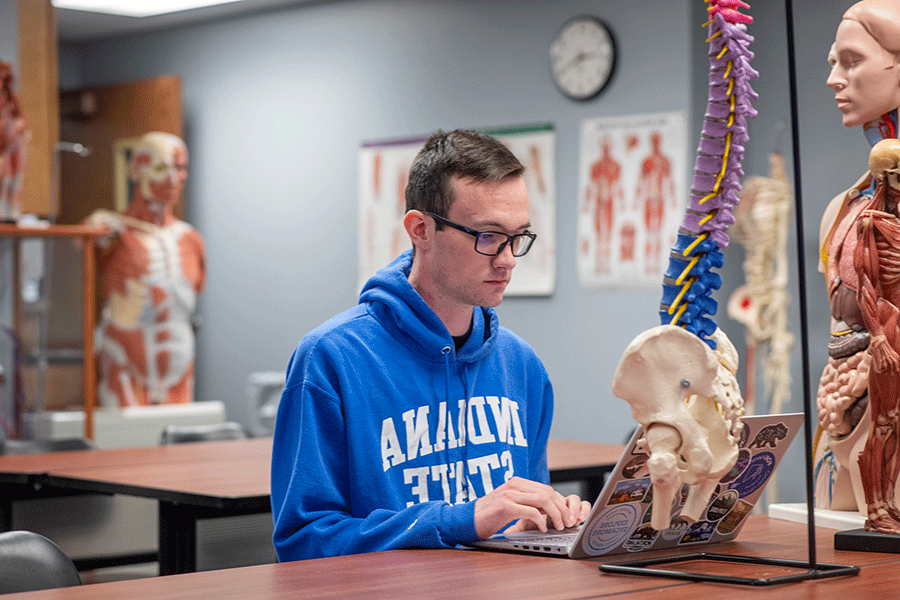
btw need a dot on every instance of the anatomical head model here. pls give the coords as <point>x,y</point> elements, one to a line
<point>679,377</point>
<point>857,455</point>
<point>158,171</point>
<point>152,267</point>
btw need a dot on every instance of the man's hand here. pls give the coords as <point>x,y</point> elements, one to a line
<point>533,504</point>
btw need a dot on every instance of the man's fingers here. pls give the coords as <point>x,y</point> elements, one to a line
<point>531,505</point>
<point>578,507</point>
<point>552,509</point>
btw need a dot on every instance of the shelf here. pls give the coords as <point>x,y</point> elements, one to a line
<point>87,235</point>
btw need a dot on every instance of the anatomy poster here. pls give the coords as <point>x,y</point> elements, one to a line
<point>631,197</point>
<point>383,173</point>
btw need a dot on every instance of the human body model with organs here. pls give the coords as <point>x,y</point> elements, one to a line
<point>152,267</point>
<point>858,446</point>
<point>679,377</point>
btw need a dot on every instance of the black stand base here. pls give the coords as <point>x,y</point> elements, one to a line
<point>816,571</point>
<point>861,540</point>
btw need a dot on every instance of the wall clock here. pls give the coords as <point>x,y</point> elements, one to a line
<point>583,57</point>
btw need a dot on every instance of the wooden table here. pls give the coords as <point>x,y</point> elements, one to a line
<point>206,480</point>
<point>190,482</point>
<point>586,462</point>
<point>445,574</point>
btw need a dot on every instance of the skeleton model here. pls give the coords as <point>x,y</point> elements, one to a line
<point>152,268</point>
<point>761,225</point>
<point>687,398</point>
<point>679,377</point>
<point>857,452</point>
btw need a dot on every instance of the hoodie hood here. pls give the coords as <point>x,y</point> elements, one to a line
<point>398,307</point>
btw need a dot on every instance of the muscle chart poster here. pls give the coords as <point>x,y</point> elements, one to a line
<point>383,172</point>
<point>631,197</point>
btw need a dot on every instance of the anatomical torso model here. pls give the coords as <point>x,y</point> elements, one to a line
<point>858,457</point>
<point>152,269</point>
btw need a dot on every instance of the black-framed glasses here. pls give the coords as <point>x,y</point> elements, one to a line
<point>492,243</point>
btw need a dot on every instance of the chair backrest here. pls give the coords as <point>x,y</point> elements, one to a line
<point>29,561</point>
<point>41,446</point>
<point>177,434</point>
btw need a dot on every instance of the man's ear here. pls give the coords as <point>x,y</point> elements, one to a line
<point>418,228</point>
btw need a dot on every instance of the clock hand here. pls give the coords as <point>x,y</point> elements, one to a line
<point>576,60</point>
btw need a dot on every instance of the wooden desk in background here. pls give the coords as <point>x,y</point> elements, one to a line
<point>190,482</point>
<point>443,574</point>
<point>586,462</point>
<point>208,480</point>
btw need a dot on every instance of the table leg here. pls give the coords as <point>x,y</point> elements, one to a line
<point>89,383</point>
<point>592,487</point>
<point>177,539</point>
<point>5,514</point>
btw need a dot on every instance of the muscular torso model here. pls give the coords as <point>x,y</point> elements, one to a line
<point>860,238</point>
<point>152,269</point>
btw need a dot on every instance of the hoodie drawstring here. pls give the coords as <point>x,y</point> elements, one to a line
<point>463,435</point>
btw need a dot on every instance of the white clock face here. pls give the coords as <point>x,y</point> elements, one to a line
<point>582,57</point>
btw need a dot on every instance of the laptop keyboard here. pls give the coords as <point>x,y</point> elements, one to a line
<point>565,537</point>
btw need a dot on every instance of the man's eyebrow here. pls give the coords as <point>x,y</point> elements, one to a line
<point>496,225</point>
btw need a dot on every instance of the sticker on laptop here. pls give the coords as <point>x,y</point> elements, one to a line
<point>612,527</point>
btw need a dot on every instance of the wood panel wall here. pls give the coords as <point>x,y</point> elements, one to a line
<point>38,86</point>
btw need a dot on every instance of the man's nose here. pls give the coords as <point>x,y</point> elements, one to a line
<point>505,258</point>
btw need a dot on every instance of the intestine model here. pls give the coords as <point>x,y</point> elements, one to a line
<point>679,377</point>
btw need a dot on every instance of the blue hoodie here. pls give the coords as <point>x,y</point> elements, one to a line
<point>386,434</point>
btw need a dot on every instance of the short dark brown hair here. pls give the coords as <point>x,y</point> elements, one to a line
<point>461,153</point>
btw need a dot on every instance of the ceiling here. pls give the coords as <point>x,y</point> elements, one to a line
<point>76,25</point>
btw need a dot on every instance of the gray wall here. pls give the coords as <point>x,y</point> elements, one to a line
<point>277,105</point>
<point>9,32</point>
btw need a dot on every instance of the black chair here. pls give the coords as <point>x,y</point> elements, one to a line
<point>29,561</point>
<point>178,434</point>
<point>41,446</point>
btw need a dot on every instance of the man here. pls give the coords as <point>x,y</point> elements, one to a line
<point>413,419</point>
<point>152,267</point>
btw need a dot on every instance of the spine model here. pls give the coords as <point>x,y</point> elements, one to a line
<point>679,377</point>
<point>690,280</point>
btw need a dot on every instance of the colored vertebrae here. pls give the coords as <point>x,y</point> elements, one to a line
<point>689,281</point>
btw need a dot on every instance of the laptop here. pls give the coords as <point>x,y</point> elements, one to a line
<point>619,521</point>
